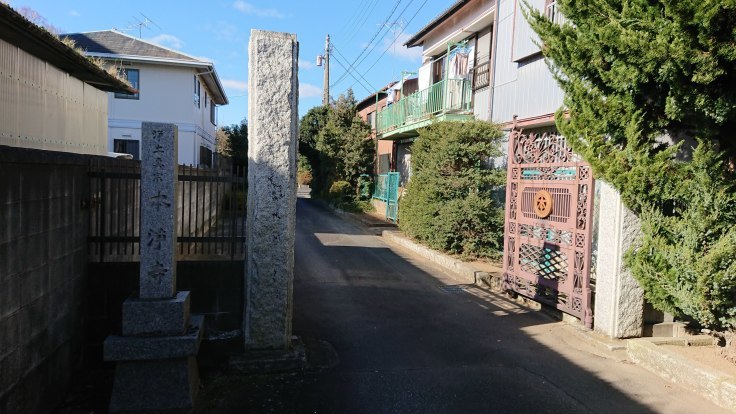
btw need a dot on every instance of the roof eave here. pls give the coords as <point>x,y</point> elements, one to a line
<point>417,39</point>
<point>21,33</point>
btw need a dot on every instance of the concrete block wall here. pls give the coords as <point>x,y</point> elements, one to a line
<point>43,262</point>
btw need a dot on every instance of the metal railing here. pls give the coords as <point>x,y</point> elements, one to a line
<point>482,75</point>
<point>210,212</point>
<point>449,95</point>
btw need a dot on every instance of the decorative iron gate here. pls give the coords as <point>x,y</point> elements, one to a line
<point>547,237</point>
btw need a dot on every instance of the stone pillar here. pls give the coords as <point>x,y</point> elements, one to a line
<point>619,300</point>
<point>156,367</point>
<point>270,225</point>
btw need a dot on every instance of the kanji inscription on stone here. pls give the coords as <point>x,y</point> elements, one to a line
<point>158,210</point>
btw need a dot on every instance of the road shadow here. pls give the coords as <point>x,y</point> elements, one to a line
<point>407,342</point>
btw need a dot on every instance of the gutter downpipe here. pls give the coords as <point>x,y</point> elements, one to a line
<point>494,42</point>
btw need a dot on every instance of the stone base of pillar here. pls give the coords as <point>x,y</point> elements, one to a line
<point>160,385</point>
<point>268,361</point>
<point>155,373</point>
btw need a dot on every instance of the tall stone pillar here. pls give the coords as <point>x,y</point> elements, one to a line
<point>273,117</point>
<point>156,368</point>
<point>619,300</point>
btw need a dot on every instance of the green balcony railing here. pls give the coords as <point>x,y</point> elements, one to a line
<point>450,95</point>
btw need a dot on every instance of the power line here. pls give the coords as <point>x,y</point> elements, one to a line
<point>361,21</point>
<point>386,33</point>
<point>351,67</point>
<point>396,6</point>
<point>348,23</point>
<point>374,45</point>
<point>402,31</point>
<point>367,88</point>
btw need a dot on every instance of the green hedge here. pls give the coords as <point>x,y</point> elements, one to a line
<point>448,203</point>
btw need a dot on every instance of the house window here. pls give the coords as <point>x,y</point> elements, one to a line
<point>552,11</point>
<point>197,91</point>
<point>132,76</point>
<point>205,156</point>
<point>127,146</point>
<point>372,120</point>
<point>438,69</point>
<point>205,99</point>
<point>213,113</point>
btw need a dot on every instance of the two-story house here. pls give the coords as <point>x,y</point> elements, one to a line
<point>172,87</point>
<point>452,84</point>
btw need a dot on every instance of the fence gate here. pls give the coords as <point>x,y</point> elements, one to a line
<point>549,201</point>
<point>392,196</point>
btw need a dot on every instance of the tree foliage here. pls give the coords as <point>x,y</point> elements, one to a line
<point>449,200</point>
<point>650,87</point>
<point>337,143</point>
<point>236,143</point>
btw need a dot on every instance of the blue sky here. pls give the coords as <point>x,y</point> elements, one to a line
<point>218,30</point>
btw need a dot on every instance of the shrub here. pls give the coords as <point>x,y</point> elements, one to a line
<point>449,201</point>
<point>341,191</point>
<point>304,171</point>
<point>686,263</point>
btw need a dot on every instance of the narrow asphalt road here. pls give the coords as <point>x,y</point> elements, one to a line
<point>409,339</point>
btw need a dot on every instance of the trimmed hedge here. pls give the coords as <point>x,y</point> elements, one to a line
<point>448,203</point>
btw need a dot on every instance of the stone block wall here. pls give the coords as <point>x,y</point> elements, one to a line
<point>43,275</point>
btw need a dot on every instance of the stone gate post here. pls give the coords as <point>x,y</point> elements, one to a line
<point>619,300</point>
<point>156,367</point>
<point>270,225</point>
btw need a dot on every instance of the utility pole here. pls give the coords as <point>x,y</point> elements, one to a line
<point>326,94</point>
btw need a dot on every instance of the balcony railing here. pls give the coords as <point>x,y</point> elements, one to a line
<point>450,95</point>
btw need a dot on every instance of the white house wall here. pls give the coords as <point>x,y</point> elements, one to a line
<point>43,107</point>
<point>166,95</point>
<point>527,88</point>
<point>482,104</point>
<point>458,27</point>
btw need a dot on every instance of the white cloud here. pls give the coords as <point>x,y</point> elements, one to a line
<point>306,64</point>
<point>167,40</point>
<point>307,90</point>
<point>234,84</point>
<point>249,8</point>
<point>74,13</point>
<point>227,31</point>
<point>396,47</point>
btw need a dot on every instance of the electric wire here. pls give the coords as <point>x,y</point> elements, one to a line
<point>360,23</point>
<point>386,33</point>
<point>350,67</point>
<point>380,29</point>
<point>402,30</point>
<point>357,80</point>
<point>350,23</point>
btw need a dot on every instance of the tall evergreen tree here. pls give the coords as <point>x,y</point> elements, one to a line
<point>650,102</point>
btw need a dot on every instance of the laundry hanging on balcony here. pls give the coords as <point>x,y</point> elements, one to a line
<point>459,62</point>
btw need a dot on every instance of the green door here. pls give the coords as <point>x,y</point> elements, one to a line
<point>392,196</point>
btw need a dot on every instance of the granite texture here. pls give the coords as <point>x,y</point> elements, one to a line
<point>143,348</point>
<point>158,209</point>
<point>619,301</point>
<point>169,385</point>
<point>156,316</point>
<point>272,130</point>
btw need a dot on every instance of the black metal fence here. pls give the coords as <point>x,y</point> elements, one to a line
<point>210,212</point>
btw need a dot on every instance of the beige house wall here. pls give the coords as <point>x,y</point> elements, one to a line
<point>45,108</point>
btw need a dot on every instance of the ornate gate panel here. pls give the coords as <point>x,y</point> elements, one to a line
<point>549,201</point>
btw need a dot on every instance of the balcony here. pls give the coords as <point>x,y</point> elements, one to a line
<point>446,100</point>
